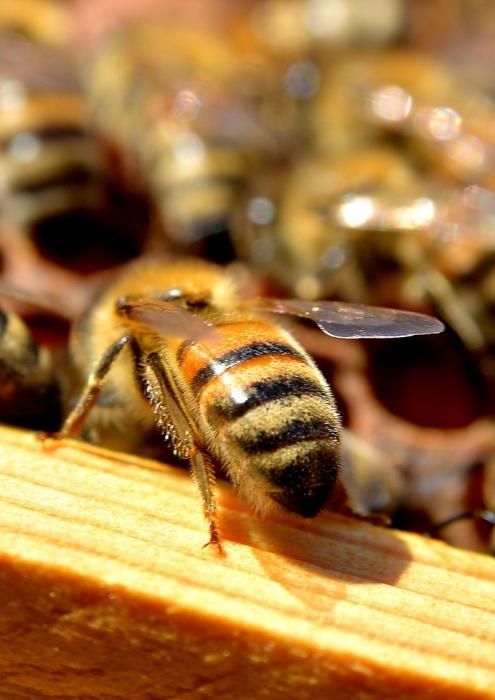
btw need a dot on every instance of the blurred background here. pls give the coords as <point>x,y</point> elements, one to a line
<point>321,149</point>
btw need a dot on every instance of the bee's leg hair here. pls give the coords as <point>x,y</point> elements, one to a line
<point>89,396</point>
<point>189,439</point>
<point>203,474</point>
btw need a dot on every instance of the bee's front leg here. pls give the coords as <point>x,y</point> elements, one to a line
<point>89,396</point>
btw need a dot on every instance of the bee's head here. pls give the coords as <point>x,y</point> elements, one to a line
<point>191,301</point>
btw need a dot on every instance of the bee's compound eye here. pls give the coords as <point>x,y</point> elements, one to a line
<point>122,305</point>
<point>176,294</point>
<point>170,294</point>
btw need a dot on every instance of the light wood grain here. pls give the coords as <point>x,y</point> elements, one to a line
<point>106,592</point>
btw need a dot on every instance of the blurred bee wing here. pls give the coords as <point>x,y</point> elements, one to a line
<point>36,301</point>
<point>168,319</point>
<point>353,321</point>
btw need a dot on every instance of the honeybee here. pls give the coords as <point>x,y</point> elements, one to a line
<point>367,98</point>
<point>53,183</point>
<point>362,224</point>
<point>297,27</point>
<point>180,104</point>
<point>42,20</point>
<point>173,344</point>
<point>337,119</point>
<point>456,137</point>
<point>29,389</point>
<point>283,223</point>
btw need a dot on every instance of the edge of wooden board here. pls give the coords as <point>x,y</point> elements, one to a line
<point>105,590</point>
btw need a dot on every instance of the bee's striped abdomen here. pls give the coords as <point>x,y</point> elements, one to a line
<point>63,175</point>
<point>50,162</point>
<point>194,198</point>
<point>255,351</point>
<point>272,411</point>
<point>265,391</point>
<point>234,345</point>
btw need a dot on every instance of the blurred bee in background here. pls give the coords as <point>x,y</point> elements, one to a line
<point>298,33</point>
<point>294,28</point>
<point>481,516</point>
<point>172,344</point>
<point>53,180</point>
<point>400,93</point>
<point>29,387</point>
<point>44,21</point>
<point>366,227</point>
<point>282,224</point>
<point>304,38</point>
<point>184,105</point>
<point>466,517</point>
<point>337,118</point>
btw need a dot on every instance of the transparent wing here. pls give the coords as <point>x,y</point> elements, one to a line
<point>444,215</point>
<point>38,302</point>
<point>167,318</point>
<point>342,320</point>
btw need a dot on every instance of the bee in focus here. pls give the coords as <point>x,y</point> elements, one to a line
<point>29,389</point>
<point>173,344</point>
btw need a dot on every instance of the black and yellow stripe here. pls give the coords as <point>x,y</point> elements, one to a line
<point>271,409</point>
<point>293,431</point>
<point>234,358</point>
<point>192,166</point>
<point>261,392</point>
<point>29,391</point>
<point>50,161</point>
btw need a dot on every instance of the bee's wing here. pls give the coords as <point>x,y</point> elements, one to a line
<point>385,214</point>
<point>167,318</point>
<point>39,302</point>
<point>342,320</point>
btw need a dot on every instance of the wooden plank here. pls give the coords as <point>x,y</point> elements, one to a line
<point>106,592</point>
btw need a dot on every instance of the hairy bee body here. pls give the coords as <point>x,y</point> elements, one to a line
<point>178,103</point>
<point>172,344</point>
<point>50,163</point>
<point>44,20</point>
<point>253,398</point>
<point>29,391</point>
<point>283,224</point>
<point>270,414</point>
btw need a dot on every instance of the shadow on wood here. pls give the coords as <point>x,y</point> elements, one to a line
<point>105,591</point>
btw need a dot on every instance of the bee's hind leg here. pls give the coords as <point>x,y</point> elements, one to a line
<point>172,408</point>
<point>203,474</point>
<point>89,396</point>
